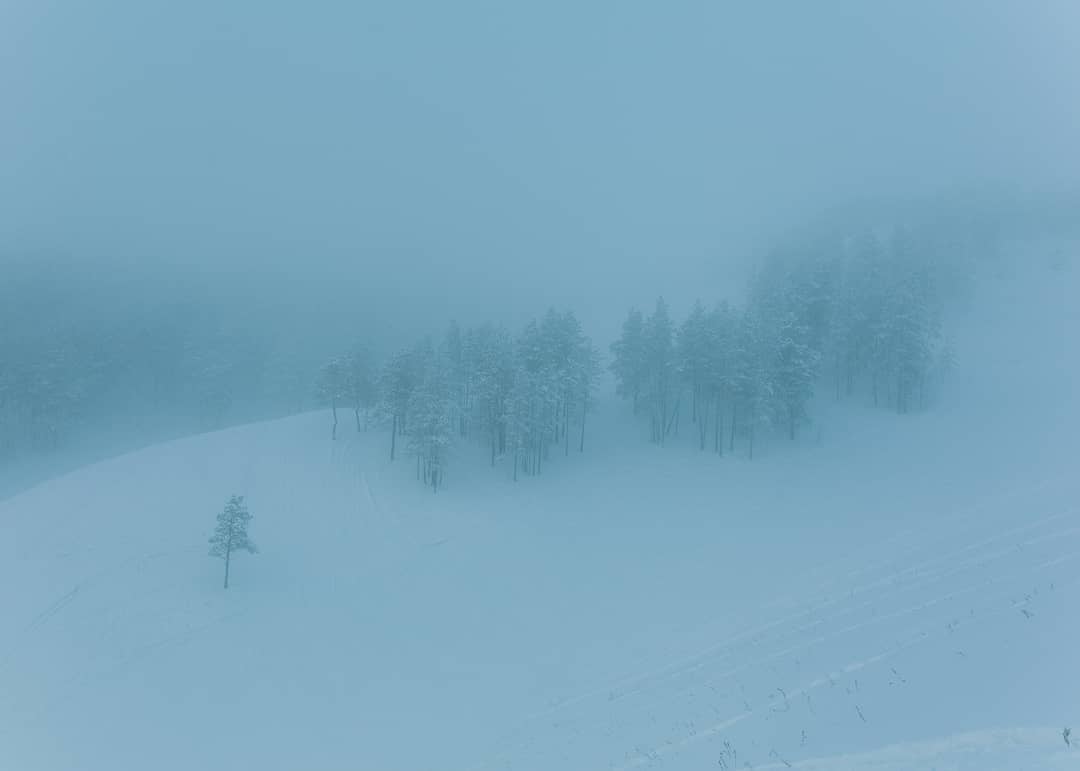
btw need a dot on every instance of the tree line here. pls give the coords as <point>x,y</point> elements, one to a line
<point>164,370</point>
<point>862,317</point>
<point>858,316</point>
<point>521,396</point>
<point>843,316</point>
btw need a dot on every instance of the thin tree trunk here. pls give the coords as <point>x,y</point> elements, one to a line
<point>333,429</point>
<point>584,411</point>
<point>703,427</point>
<point>674,418</point>
<point>566,430</point>
<point>228,553</point>
<point>734,415</point>
<point>356,411</point>
<point>393,437</point>
<point>718,428</point>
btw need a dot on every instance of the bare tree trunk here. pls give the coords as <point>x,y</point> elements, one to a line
<point>393,437</point>
<point>673,420</point>
<point>584,412</point>
<point>228,553</point>
<point>703,427</point>
<point>734,414</point>
<point>356,411</point>
<point>718,429</point>
<point>333,411</point>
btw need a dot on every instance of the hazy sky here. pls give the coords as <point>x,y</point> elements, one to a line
<point>457,154</point>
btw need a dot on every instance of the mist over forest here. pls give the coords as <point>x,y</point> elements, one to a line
<point>477,385</point>
<point>100,362</point>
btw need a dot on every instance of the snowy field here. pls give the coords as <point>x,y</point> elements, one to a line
<point>887,593</point>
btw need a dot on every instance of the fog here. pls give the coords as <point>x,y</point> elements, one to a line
<point>404,163</point>
<point>556,385</point>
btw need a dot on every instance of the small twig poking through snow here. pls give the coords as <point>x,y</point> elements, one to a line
<point>787,705</point>
<point>899,678</point>
<point>776,755</point>
<point>1027,613</point>
<point>1066,734</point>
<point>861,715</point>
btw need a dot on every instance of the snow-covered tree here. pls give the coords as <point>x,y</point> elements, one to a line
<point>458,353</point>
<point>493,379</point>
<point>628,358</point>
<point>695,351</point>
<point>913,333</point>
<point>430,424</point>
<point>661,384</point>
<point>531,406</point>
<point>587,375</point>
<point>719,383</point>
<point>794,372</point>
<point>231,533</point>
<point>399,379</point>
<point>750,381</point>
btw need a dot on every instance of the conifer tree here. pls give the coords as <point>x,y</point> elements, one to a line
<point>231,534</point>
<point>628,358</point>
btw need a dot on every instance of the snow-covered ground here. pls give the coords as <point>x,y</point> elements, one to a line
<point>887,593</point>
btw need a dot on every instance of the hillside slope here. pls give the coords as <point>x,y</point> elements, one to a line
<point>887,594</point>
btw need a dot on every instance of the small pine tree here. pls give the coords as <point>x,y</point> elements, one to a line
<point>231,532</point>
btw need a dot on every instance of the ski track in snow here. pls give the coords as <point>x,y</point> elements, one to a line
<point>974,554</point>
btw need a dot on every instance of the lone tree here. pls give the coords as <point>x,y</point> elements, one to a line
<point>231,532</point>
